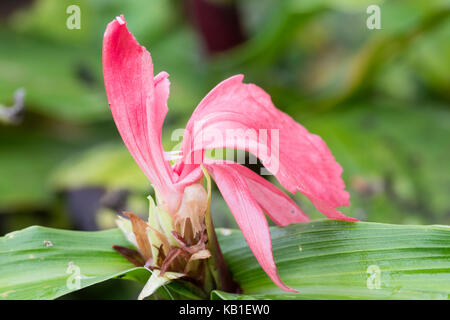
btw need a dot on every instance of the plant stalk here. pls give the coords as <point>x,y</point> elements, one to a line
<point>216,263</point>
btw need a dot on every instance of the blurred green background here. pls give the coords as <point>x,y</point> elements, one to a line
<point>379,98</point>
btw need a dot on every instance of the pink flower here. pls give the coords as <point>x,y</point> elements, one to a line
<point>303,162</point>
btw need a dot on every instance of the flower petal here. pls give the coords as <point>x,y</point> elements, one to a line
<point>276,204</point>
<point>300,160</point>
<point>249,217</point>
<point>138,101</point>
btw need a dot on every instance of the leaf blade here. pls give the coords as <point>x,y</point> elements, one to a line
<point>322,259</point>
<point>33,270</point>
<point>333,259</point>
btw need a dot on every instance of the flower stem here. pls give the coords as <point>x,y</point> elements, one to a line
<point>216,263</point>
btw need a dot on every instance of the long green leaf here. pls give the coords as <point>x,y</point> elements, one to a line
<point>322,260</point>
<point>45,263</point>
<point>42,263</point>
<point>342,260</point>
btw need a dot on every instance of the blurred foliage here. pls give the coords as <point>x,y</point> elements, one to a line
<point>379,98</point>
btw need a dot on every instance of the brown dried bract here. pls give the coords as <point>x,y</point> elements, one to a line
<point>141,233</point>
<point>188,257</point>
<point>131,255</point>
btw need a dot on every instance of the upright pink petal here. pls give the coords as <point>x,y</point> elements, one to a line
<point>138,101</point>
<point>249,217</point>
<point>300,161</point>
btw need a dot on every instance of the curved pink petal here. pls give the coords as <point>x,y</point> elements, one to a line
<point>194,176</point>
<point>138,101</point>
<point>249,217</point>
<point>299,160</point>
<point>276,204</point>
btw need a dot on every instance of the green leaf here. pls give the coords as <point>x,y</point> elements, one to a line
<point>343,260</point>
<point>322,260</point>
<point>38,263</point>
<point>44,263</point>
